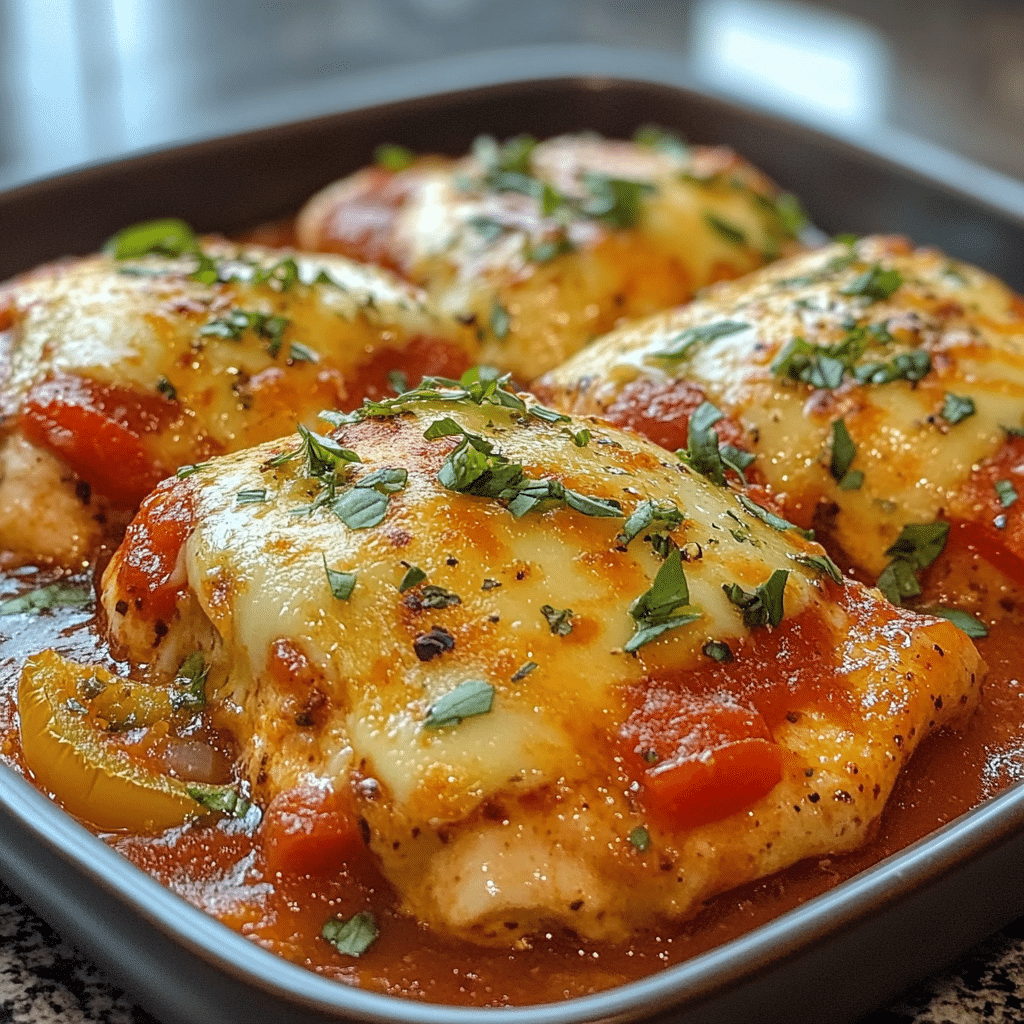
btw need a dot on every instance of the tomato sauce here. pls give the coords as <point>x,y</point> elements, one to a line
<point>268,881</point>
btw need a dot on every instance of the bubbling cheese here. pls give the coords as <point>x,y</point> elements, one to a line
<point>521,753</point>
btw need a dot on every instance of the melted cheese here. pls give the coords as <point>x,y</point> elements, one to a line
<point>538,283</point>
<point>518,819</point>
<point>151,355</point>
<point>914,461</point>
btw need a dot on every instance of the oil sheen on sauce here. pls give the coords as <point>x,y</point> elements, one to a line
<point>214,864</point>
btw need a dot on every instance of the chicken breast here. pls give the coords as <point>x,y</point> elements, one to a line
<point>117,371</point>
<point>550,675</point>
<point>544,246</point>
<point>880,387</point>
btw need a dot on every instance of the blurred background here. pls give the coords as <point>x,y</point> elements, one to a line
<point>87,80</point>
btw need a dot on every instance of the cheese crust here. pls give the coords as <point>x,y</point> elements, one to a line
<point>543,247</point>
<point>919,357</point>
<point>117,372</point>
<point>505,730</point>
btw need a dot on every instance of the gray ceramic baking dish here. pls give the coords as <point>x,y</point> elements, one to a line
<point>832,959</point>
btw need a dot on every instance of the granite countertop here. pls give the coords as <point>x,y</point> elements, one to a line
<point>43,980</point>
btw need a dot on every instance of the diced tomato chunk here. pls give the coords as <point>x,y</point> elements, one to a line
<point>149,576</point>
<point>99,430</point>
<point>703,756</point>
<point>311,830</point>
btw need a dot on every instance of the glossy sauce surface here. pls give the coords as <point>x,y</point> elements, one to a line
<point>219,865</point>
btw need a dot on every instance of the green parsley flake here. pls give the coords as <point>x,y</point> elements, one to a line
<point>224,799</point>
<point>474,697</point>
<point>875,283</point>
<point>917,546</point>
<point>54,595</point>
<point>617,202</point>
<point>680,346</point>
<point>771,519</point>
<point>432,596</point>
<point>393,157</point>
<point>974,628</point>
<point>523,671</point>
<point>718,650</point>
<point>822,564</point>
<point>704,453</point>
<point>352,937</point>
<point>183,472</point>
<point>558,619</point>
<point>254,496</point>
<point>1006,492</point>
<point>168,236</point>
<point>725,230</point>
<point>413,577</point>
<point>640,838</point>
<point>665,606</point>
<point>956,408</point>
<point>341,583</point>
<point>763,607</point>
<point>647,514</point>
<point>844,451</point>
<point>913,365</point>
<point>189,693</point>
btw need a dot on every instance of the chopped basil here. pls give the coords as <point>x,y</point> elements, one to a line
<point>168,236</point>
<point>53,595</point>
<point>763,607</point>
<point>341,583</point>
<point>513,156</point>
<point>875,283</point>
<point>1006,492</point>
<point>728,231</point>
<point>852,481</point>
<point>299,353</point>
<point>821,366</point>
<point>680,346</point>
<point>393,157</point>
<point>542,412</point>
<point>237,321</point>
<point>413,577</point>
<point>664,141</point>
<point>703,452</point>
<point>254,496</point>
<point>360,508</point>
<point>523,671</point>
<point>917,546</point>
<point>718,650</point>
<point>791,214</point>
<point>844,451</point>
<point>912,366</point>
<point>559,620</point>
<point>189,693</point>
<point>640,838</point>
<point>432,596</point>
<point>772,520</point>
<point>398,381</point>
<point>646,514</point>
<point>822,564</point>
<point>167,389</point>
<point>665,606</point>
<point>956,408</point>
<point>225,799</point>
<point>186,471</point>
<point>499,320</point>
<point>474,697</point>
<point>549,248</point>
<point>352,937</point>
<point>580,438</point>
<point>616,201</point>
<point>974,628</point>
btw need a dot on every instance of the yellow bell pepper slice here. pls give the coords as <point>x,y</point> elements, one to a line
<point>92,779</point>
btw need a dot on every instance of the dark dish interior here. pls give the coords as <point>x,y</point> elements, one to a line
<point>228,185</point>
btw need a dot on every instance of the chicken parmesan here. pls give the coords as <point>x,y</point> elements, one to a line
<point>543,246</point>
<point>120,368</point>
<point>877,389</point>
<point>540,671</point>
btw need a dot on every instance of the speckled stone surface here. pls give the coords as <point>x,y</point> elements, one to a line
<point>43,980</point>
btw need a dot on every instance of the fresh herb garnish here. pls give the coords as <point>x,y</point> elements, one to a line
<point>640,838</point>
<point>183,472</point>
<point>167,389</point>
<point>665,606</point>
<point>772,520</point>
<point>912,366</point>
<point>956,408</point>
<point>1006,492</point>
<point>414,575</point>
<point>646,514</point>
<point>499,320</point>
<point>264,325</point>
<point>875,283</point>
<point>822,564</point>
<point>763,607</point>
<point>718,650</point>
<point>917,546</point>
<point>681,345</point>
<point>474,697</point>
<point>704,453</point>
<point>352,937</point>
<point>53,595</point>
<point>393,157</point>
<point>433,596</point>
<point>341,583</point>
<point>523,671</point>
<point>728,231</point>
<point>253,496</point>
<point>559,620</point>
<point>225,799</point>
<point>844,451</point>
<point>168,236</point>
<point>664,141</point>
<point>617,202</point>
<point>189,693</point>
<point>974,628</point>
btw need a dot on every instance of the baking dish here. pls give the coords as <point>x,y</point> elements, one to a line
<point>869,937</point>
